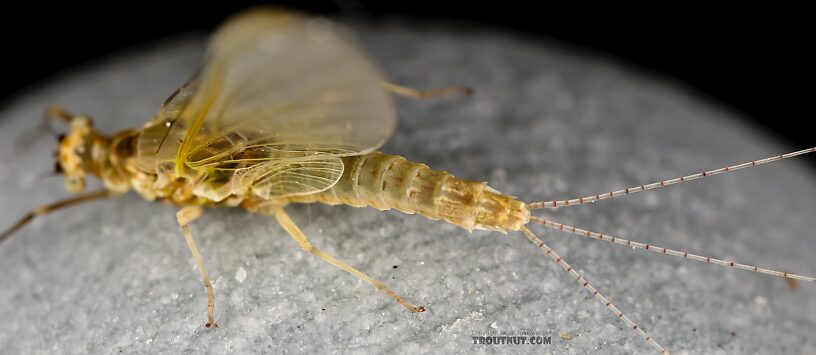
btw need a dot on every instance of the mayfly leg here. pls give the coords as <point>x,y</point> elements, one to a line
<point>426,94</point>
<point>52,207</point>
<point>303,242</point>
<point>184,217</point>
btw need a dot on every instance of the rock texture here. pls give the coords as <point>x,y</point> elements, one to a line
<point>544,123</point>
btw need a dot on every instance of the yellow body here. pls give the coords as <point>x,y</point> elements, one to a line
<point>370,180</point>
<point>392,182</point>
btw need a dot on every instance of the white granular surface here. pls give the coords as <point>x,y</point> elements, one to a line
<point>544,123</point>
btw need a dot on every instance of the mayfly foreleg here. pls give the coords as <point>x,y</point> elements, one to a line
<point>303,241</point>
<point>52,207</point>
<point>643,246</point>
<point>426,94</point>
<point>592,290</point>
<point>184,217</point>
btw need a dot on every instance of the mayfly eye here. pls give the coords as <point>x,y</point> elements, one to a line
<point>61,137</point>
<point>58,168</point>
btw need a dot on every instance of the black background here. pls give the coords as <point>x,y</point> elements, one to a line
<point>755,61</point>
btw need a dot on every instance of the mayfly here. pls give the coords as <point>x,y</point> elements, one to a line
<point>287,110</point>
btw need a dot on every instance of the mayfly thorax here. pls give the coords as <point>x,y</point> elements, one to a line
<point>244,133</point>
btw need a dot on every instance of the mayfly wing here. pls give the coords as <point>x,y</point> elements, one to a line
<point>280,98</point>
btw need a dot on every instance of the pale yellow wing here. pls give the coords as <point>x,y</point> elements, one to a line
<point>291,89</point>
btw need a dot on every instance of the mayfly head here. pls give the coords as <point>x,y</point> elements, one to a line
<point>81,151</point>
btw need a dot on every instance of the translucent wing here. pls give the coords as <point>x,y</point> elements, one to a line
<point>278,92</point>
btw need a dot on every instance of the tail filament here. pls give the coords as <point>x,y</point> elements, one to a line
<point>664,183</point>
<point>649,247</point>
<point>585,284</point>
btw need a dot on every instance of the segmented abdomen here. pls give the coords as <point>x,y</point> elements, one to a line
<point>390,181</point>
